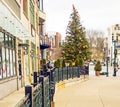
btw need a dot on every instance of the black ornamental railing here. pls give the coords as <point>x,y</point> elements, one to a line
<point>41,92</point>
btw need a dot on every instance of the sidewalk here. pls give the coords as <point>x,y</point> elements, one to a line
<point>12,99</point>
<point>15,97</point>
<point>96,92</point>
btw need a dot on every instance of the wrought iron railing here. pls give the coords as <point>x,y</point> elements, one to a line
<point>66,73</point>
<point>37,96</point>
<point>41,92</point>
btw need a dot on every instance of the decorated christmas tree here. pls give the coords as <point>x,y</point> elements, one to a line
<point>76,45</point>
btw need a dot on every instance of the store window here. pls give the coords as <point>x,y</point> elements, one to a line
<point>11,62</point>
<point>10,41</point>
<point>1,39</point>
<point>3,67</point>
<point>7,55</point>
<point>6,40</point>
<point>7,62</point>
<point>0,63</point>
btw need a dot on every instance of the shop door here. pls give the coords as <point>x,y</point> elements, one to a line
<point>20,67</point>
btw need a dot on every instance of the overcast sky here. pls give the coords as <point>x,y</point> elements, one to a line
<point>94,14</point>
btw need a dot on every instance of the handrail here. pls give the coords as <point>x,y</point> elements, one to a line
<point>41,92</point>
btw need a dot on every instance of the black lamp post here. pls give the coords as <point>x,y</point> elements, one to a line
<point>115,54</point>
<point>107,58</point>
<point>104,52</point>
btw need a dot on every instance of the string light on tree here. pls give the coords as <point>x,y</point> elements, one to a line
<point>76,45</point>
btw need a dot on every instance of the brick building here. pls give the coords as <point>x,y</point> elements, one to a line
<point>54,52</point>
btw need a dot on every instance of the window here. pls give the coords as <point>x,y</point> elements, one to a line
<point>1,39</point>
<point>32,20</point>
<point>1,70</point>
<point>11,63</point>
<point>14,73</point>
<point>7,62</point>
<point>25,7</point>
<point>7,55</point>
<point>6,40</point>
<point>40,4</point>
<point>4,68</point>
<point>10,41</point>
<point>37,23</point>
<point>41,28</point>
<point>32,31</point>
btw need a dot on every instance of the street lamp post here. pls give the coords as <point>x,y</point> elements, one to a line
<point>115,54</point>
<point>107,58</point>
<point>104,52</point>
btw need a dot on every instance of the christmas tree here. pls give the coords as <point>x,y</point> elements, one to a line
<point>76,45</point>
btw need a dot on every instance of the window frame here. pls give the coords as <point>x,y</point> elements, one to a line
<point>7,68</point>
<point>25,8</point>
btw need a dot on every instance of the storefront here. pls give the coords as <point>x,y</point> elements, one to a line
<point>13,36</point>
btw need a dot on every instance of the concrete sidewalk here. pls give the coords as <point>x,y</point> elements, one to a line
<point>12,99</point>
<point>17,96</point>
<point>99,91</point>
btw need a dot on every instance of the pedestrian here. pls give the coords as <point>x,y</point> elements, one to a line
<point>48,64</point>
<point>44,70</point>
<point>115,70</point>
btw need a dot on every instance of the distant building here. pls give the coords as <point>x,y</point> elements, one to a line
<point>55,43</point>
<point>114,37</point>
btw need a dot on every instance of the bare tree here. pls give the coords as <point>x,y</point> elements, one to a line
<point>96,41</point>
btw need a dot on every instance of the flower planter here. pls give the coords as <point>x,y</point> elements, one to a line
<point>97,68</point>
<point>97,73</point>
